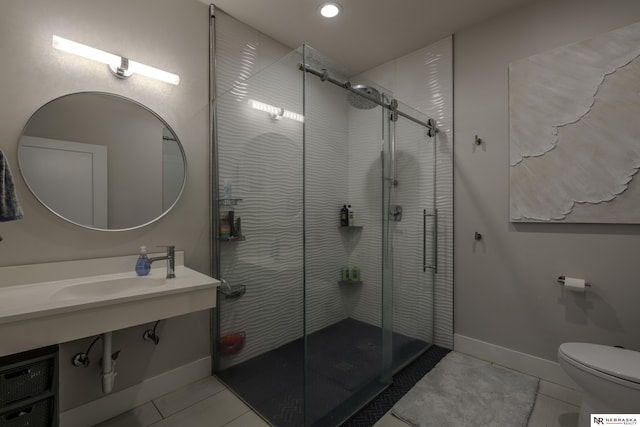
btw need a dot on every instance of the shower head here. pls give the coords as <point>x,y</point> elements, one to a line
<point>361,102</point>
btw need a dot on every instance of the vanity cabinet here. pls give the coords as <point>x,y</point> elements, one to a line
<point>29,388</point>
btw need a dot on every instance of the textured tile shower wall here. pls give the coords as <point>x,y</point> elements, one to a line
<point>266,172</point>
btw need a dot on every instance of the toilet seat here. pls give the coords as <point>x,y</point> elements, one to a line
<point>616,362</point>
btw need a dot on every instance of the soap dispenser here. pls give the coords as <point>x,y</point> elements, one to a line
<point>143,266</point>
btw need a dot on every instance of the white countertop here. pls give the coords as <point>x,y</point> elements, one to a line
<point>74,305</point>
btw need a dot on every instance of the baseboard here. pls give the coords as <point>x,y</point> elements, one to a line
<point>532,365</point>
<point>116,403</point>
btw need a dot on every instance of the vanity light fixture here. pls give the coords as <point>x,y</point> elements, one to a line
<point>119,65</point>
<point>330,9</point>
<point>277,113</point>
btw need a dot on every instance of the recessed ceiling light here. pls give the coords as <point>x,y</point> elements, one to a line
<point>329,10</point>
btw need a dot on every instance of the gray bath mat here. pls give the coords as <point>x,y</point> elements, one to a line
<point>464,391</point>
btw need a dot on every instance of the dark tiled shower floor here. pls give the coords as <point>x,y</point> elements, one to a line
<point>344,361</point>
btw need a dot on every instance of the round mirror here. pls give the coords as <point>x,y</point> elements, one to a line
<point>102,161</point>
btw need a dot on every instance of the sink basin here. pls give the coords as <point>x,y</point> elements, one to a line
<point>110,287</point>
<point>52,303</point>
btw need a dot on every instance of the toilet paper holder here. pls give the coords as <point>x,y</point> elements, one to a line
<point>561,281</point>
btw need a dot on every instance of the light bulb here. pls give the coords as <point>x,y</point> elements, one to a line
<point>330,10</point>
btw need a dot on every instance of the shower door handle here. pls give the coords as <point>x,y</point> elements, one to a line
<point>434,260</point>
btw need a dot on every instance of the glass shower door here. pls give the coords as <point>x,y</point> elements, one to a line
<point>412,231</point>
<point>259,240</point>
<point>314,317</point>
<point>343,264</point>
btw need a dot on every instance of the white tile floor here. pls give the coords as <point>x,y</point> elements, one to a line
<point>209,403</point>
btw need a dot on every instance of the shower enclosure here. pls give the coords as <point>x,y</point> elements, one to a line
<point>313,317</point>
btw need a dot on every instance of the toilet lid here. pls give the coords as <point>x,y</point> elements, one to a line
<point>614,361</point>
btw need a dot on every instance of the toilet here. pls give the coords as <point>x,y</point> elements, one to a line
<point>609,377</point>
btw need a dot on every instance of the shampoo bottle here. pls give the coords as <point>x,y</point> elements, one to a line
<point>344,216</point>
<point>238,229</point>
<point>143,266</point>
<point>225,228</point>
<point>351,220</point>
<point>232,224</point>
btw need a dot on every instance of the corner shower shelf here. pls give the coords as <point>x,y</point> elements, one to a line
<point>229,202</point>
<point>350,282</point>
<point>232,238</point>
<point>233,291</point>
<point>350,227</point>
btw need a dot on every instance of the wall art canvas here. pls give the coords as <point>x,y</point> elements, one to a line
<point>575,132</point>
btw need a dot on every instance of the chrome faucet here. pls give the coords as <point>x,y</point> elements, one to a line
<point>171,260</point>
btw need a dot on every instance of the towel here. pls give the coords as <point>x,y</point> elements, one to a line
<point>10,208</point>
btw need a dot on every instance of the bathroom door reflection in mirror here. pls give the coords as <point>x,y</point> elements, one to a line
<point>102,161</point>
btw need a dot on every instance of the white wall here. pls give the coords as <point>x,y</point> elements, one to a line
<point>505,291</point>
<point>168,34</point>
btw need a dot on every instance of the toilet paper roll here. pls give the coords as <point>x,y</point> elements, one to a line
<point>574,284</point>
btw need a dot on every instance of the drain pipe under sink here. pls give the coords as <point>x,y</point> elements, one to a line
<point>108,364</point>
